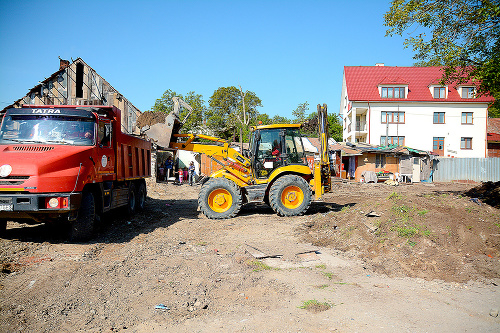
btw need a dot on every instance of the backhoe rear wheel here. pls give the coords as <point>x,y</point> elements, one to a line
<point>290,196</point>
<point>220,198</point>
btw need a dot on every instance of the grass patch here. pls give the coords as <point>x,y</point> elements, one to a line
<point>328,275</point>
<point>411,243</point>
<point>322,286</point>
<point>422,212</point>
<point>322,266</point>
<point>404,212</point>
<point>260,266</point>
<point>406,232</point>
<point>394,196</point>
<point>315,306</point>
<point>345,209</point>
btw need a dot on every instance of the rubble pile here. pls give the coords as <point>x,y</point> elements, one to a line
<point>488,193</point>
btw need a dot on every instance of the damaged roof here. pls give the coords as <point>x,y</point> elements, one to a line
<point>356,149</point>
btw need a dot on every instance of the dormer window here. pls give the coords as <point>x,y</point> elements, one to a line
<point>393,92</point>
<point>439,92</point>
<point>468,92</point>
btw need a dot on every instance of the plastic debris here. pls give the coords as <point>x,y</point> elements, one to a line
<point>162,307</point>
<point>372,214</point>
<point>476,200</point>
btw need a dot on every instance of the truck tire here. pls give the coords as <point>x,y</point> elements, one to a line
<point>131,205</point>
<point>220,198</point>
<point>290,196</point>
<point>140,199</point>
<point>83,227</point>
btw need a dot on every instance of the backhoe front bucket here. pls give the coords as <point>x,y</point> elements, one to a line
<point>163,133</point>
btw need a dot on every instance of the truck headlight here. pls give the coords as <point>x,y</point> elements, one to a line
<point>56,202</point>
<point>53,202</point>
<point>5,170</point>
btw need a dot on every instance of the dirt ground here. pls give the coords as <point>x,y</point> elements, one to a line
<point>369,258</point>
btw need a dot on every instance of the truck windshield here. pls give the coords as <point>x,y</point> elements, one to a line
<point>47,129</point>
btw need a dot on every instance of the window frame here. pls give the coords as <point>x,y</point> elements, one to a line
<point>469,92</point>
<point>380,161</point>
<point>391,140</point>
<point>392,92</point>
<point>466,114</point>
<point>438,95</point>
<point>438,116</point>
<point>391,114</point>
<point>466,143</point>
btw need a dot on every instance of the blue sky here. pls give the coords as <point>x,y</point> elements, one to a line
<point>287,52</point>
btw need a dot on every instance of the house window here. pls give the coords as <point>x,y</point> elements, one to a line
<point>467,118</point>
<point>439,92</point>
<point>392,140</point>
<point>393,92</point>
<point>379,161</point>
<point>468,92</point>
<point>466,143</point>
<point>438,117</point>
<point>393,117</point>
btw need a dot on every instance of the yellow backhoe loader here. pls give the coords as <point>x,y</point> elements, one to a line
<point>274,170</point>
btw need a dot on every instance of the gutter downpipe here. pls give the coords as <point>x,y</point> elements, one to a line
<point>486,136</point>
<point>369,122</point>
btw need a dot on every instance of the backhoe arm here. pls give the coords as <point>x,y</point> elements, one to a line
<point>233,162</point>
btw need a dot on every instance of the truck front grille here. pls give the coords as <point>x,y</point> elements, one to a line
<point>32,148</point>
<point>13,180</point>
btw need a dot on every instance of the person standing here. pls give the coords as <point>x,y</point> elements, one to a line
<point>191,171</point>
<point>169,165</point>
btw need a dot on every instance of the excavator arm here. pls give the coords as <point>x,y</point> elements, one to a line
<point>236,166</point>
<point>322,173</point>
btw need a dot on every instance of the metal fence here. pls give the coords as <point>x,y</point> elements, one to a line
<point>471,169</point>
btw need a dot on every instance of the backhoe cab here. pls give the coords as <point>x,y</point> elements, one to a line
<point>274,170</point>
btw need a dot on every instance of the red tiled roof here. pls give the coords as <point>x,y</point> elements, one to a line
<point>493,137</point>
<point>494,125</point>
<point>363,81</point>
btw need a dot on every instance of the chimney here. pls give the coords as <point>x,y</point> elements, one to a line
<point>63,64</point>
<point>379,64</point>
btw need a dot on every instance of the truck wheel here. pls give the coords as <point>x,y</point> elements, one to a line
<point>290,196</point>
<point>83,226</point>
<point>131,206</point>
<point>140,199</point>
<point>219,198</point>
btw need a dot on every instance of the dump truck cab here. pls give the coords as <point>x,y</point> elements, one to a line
<point>69,163</point>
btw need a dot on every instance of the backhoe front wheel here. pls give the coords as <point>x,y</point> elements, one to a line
<point>219,198</point>
<point>290,196</point>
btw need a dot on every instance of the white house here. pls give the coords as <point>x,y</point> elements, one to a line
<point>407,106</point>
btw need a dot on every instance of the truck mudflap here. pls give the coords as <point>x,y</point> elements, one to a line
<point>37,206</point>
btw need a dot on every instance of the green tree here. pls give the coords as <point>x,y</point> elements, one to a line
<point>277,119</point>
<point>460,35</point>
<point>194,122</point>
<point>300,113</point>
<point>311,126</point>
<point>231,109</point>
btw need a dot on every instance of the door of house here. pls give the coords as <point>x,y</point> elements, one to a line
<point>416,170</point>
<point>438,145</point>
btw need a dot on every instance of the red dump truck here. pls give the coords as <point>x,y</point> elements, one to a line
<point>69,163</point>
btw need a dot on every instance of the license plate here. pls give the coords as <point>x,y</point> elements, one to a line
<point>7,207</point>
